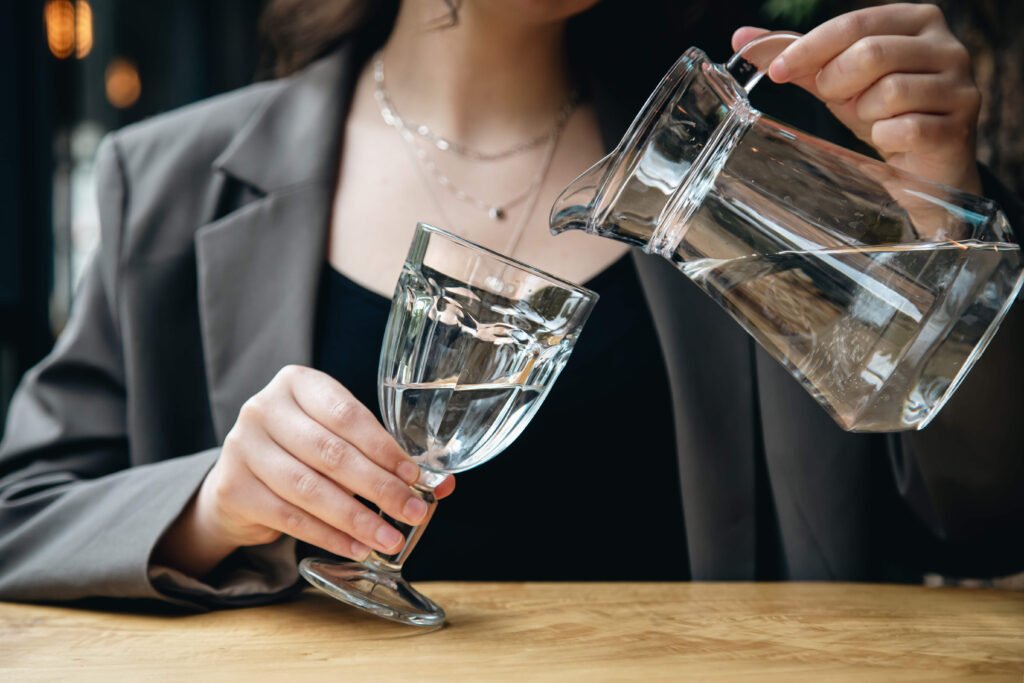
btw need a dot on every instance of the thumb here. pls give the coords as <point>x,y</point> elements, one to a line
<point>744,35</point>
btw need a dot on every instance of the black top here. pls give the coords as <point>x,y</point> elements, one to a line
<point>589,491</point>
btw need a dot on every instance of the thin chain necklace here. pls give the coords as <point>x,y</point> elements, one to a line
<point>531,197</point>
<point>445,144</point>
<point>495,211</point>
<point>517,232</point>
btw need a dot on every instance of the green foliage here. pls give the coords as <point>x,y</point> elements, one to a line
<point>796,12</point>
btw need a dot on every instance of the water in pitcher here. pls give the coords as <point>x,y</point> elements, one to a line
<point>874,294</point>
<point>483,366</point>
<point>862,327</point>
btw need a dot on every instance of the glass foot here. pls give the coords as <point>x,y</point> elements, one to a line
<point>383,593</point>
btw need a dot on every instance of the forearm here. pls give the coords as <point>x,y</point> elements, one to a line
<point>104,528</point>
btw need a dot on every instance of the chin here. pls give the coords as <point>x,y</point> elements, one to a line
<point>533,11</point>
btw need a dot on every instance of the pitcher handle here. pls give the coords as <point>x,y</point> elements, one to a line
<point>747,73</point>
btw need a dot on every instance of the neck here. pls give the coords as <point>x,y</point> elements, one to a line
<point>488,79</point>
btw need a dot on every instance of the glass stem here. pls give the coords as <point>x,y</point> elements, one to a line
<point>393,563</point>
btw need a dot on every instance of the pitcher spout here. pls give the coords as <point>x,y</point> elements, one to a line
<point>574,208</point>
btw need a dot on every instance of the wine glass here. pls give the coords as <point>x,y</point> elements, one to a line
<point>474,342</point>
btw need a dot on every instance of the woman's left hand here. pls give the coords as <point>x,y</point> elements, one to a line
<point>897,77</point>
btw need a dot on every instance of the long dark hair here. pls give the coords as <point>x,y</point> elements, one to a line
<point>296,32</point>
<point>627,44</point>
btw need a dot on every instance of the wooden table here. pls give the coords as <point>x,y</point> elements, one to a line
<point>547,632</point>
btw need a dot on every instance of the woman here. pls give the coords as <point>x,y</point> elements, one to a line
<point>213,397</point>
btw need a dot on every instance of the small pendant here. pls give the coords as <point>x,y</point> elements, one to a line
<point>496,213</point>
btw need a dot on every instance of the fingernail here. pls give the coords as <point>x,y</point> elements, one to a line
<point>388,537</point>
<point>415,510</point>
<point>359,551</point>
<point>778,71</point>
<point>409,472</point>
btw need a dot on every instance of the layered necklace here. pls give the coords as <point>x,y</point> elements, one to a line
<point>419,137</point>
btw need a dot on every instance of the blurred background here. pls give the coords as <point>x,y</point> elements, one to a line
<point>85,67</point>
<point>82,68</point>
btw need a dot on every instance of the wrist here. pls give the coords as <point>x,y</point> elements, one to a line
<point>194,543</point>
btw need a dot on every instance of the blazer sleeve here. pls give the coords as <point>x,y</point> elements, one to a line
<point>964,474</point>
<point>77,520</point>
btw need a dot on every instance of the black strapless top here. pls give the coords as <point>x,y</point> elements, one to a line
<point>589,491</point>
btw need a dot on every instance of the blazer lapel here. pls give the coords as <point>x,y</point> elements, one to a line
<point>259,265</point>
<point>710,362</point>
<point>710,365</point>
<point>819,475</point>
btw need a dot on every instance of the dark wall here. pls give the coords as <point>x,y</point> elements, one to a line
<point>25,171</point>
<point>185,50</point>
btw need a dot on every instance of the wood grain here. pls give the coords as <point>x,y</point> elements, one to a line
<point>547,632</point>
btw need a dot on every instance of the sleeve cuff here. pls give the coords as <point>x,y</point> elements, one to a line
<point>249,576</point>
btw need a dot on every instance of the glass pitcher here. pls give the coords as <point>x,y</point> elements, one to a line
<point>876,289</point>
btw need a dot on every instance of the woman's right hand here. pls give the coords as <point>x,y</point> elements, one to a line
<point>300,452</point>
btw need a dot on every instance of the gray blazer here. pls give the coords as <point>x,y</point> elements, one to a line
<point>214,221</point>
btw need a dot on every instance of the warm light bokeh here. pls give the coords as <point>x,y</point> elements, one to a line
<point>83,29</point>
<point>68,28</point>
<point>59,16</point>
<point>123,84</point>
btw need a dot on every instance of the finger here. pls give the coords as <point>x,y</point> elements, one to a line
<point>445,488</point>
<point>273,512</point>
<point>760,54</point>
<point>809,54</point>
<point>316,495</point>
<point>337,459</point>
<point>918,132</point>
<point>744,35</point>
<point>901,93</point>
<point>332,405</point>
<point>869,59</point>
